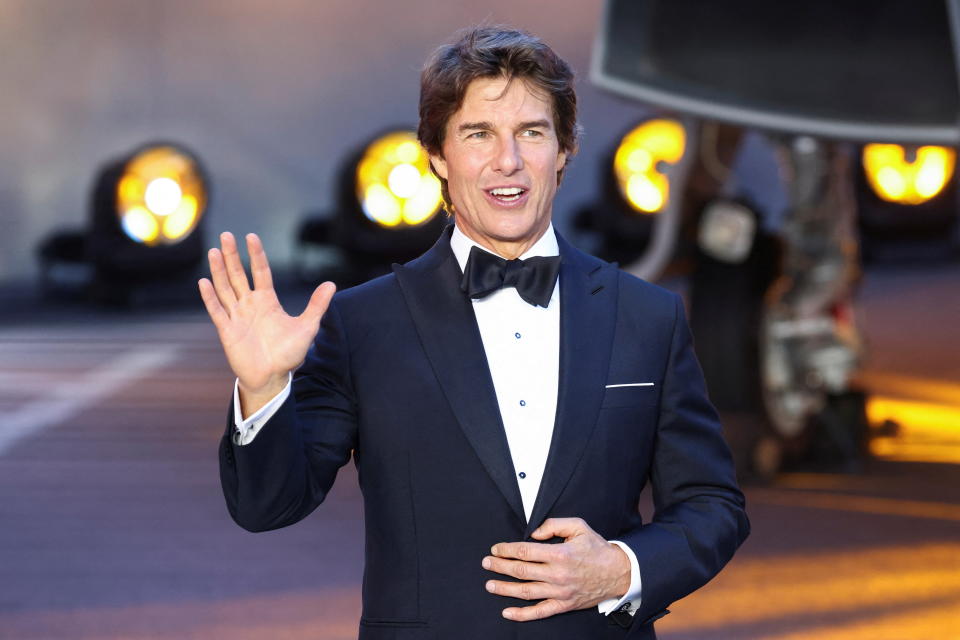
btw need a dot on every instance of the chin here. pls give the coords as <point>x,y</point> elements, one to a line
<point>511,233</point>
<point>514,224</point>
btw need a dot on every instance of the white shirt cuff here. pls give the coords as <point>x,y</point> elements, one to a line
<point>630,601</point>
<point>246,430</point>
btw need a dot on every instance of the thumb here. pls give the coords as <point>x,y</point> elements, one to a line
<point>319,302</point>
<point>560,527</point>
<point>565,528</point>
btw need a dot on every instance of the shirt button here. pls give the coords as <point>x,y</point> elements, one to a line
<point>523,403</point>
<point>517,335</point>
<point>522,475</point>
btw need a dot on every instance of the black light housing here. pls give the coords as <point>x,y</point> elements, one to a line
<point>146,215</point>
<point>907,201</point>
<point>389,206</point>
<point>635,187</point>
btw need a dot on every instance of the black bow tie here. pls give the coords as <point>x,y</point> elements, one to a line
<point>534,278</point>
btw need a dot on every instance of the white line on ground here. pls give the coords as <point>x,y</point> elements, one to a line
<point>66,400</point>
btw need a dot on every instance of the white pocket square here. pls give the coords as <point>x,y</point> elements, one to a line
<point>630,384</point>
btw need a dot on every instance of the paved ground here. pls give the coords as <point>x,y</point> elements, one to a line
<point>112,524</point>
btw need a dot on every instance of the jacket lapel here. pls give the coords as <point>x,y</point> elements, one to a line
<point>588,313</point>
<point>448,331</point>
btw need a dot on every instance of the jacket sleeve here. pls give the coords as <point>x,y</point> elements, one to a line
<point>287,470</point>
<point>699,518</point>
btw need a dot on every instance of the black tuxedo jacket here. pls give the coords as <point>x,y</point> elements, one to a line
<point>398,377</point>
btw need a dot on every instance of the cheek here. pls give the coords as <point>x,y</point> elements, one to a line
<point>467,182</point>
<point>547,168</point>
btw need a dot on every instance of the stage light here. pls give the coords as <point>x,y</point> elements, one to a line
<point>394,184</point>
<point>388,206</point>
<point>635,217</point>
<point>146,213</point>
<point>895,178</point>
<point>160,196</point>
<point>639,163</point>
<point>906,202</point>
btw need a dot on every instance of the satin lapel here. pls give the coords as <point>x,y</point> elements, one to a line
<point>588,313</point>
<point>448,332</point>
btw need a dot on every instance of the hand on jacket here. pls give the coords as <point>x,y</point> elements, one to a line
<point>579,573</point>
<point>261,341</point>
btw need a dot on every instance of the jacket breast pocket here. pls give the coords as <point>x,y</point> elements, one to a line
<point>629,395</point>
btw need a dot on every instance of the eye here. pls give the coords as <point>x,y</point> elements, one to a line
<point>532,133</point>
<point>478,135</point>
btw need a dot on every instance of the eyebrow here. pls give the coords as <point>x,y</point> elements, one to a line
<point>535,124</point>
<point>474,126</point>
<point>486,126</point>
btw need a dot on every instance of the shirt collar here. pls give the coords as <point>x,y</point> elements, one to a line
<point>545,246</point>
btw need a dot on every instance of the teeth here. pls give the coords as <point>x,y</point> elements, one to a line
<point>511,191</point>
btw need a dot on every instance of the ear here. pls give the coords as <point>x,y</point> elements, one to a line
<point>561,160</point>
<point>439,165</point>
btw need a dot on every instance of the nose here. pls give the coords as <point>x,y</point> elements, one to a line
<point>508,159</point>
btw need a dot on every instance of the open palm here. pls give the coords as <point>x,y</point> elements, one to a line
<point>261,341</point>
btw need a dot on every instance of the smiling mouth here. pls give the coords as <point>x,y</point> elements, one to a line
<point>507,194</point>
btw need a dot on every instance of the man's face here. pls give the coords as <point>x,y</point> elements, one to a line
<point>500,159</point>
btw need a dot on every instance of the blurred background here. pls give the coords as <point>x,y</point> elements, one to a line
<point>789,169</point>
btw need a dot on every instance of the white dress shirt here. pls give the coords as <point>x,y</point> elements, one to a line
<point>522,345</point>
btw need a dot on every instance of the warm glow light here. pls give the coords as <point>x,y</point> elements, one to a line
<point>855,593</point>
<point>180,222</point>
<point>895,179</point>
<point>639,159</point>
<point>923,431</point>
<point>404,180</point>
<point>130,188</point>
<point>892,182</point>
<point>423,204</point>
<point>382,206</point>
<point>643,193</point>
<point>140,224</point>
<point>394,183</point>
<point>161,196</point>
<point>408,152</point>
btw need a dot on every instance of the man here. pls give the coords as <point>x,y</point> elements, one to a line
<point>505,397</point>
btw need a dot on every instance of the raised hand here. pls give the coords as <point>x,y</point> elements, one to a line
<point>579,573</point>
<point>261,341</point>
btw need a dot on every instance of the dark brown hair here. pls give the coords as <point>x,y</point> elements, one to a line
<point>490,52</point>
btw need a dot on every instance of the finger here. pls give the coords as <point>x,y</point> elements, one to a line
<point>538,611</point>
<point>259,266</point>
<point>529,551</point>
<point>518,569</point>
<point>212,303</point>
<point>560,527</point>
<point>523,590</point>
<point>221,284</point>
<point>319,302</point>
<point>235,271</point>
